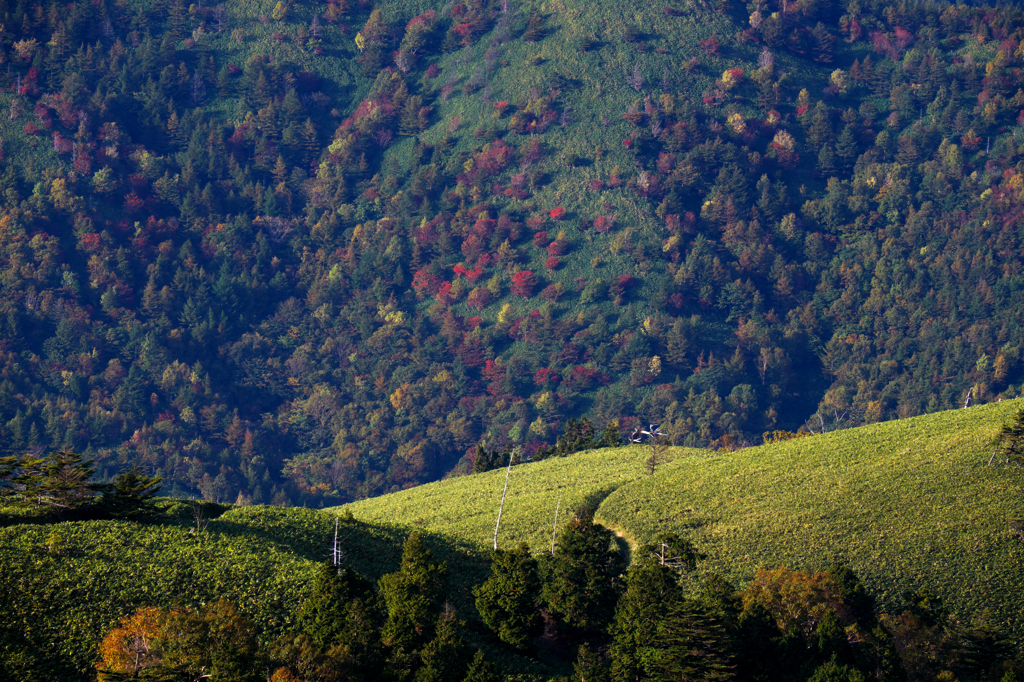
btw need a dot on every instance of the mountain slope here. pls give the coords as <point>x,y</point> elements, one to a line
<point>907,504</point>
<point>466,508</point>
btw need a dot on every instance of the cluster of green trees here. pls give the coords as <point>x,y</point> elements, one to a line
<point>214,265</point>
<point>61,482</point>
<point>579,606</point>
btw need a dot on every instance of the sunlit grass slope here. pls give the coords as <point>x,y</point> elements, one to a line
<point>907,504</point>
<point>466,508</point>
<point>67,584</point>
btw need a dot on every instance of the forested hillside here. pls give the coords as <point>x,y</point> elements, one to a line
<point>306,253</point>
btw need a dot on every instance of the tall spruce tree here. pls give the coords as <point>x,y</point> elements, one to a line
<point>581,579</point>
<point>693,646</point>
<point>508,601</point>
<point>413,595</point>
<point>652,590</point>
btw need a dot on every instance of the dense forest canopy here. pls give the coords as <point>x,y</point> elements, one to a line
<point>307,253</point>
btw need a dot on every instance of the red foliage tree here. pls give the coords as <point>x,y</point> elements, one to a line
<point>523,283</point>
<point>603,223</point>
<point>544,376</point>
<point>132,203</point>
<point>711,45</point>
<point>557,247</point>
<point>425,282</point>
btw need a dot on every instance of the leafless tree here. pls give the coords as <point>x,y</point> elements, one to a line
<point>198,89</point>
<point>220,18</point>
<point>655,126</point>
<point>667,82</point>
<point>554,527</point>
<point>665,558</point>
<point>199,516</point>
<point>277,229</point>
<point>635,80</point>
<point>402,61</point>
<point>825,425</point>
<point>512,456</point>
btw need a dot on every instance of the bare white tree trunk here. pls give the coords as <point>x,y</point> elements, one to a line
<point>334,551</point>
<point>502,506</point>
<point>554,528</point>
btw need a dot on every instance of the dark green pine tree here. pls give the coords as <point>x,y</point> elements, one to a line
<point>409,122</point>
<point>342,619</point>
<point>508,600</point>
<point>981,647</point>
<point>581,579</point>
<point>481,670</point>
<point>413,595</point>
<point>827,162</point>
<point>819,132</point>
<point>823,44</point>
<point>445,657</point>
<point>652,590</point>
<point>61,479</point>
<point>611,437</point>
<point>326,614</point>
<point>534,29</point>
<point>694,646</point>
<point>764,650</point>
<point>846,146</point>
<point>131,493</point>
<point>590,666</point>
<point>833,671</point>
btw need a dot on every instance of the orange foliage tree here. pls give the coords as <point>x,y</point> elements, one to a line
<point>130,647</point>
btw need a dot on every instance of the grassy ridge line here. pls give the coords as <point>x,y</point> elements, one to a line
<point>907,504</point>
<point>465,508</point>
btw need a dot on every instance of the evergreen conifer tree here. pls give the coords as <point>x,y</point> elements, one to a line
<point>131,493</point>
<point>413,595</point>
<point>481,670</point>
<point>508,601</point>
<point>581,579</point>
<point>445,656</point>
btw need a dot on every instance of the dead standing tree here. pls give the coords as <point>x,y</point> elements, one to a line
<point>511,457</point>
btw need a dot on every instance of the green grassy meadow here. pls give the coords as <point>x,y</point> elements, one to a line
<point>465,509</point>
<point>907,504</point>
